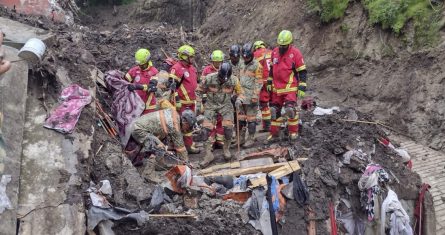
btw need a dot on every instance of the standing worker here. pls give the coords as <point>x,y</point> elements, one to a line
<point>143,79</point>
<point>216,58</point>
<point>148,131</point>
<point>263,55</point>
<point>235,59</point>
<point>287,80</point>
<point>185,82</point>
<point>219,88</point>
<point>251,80</point>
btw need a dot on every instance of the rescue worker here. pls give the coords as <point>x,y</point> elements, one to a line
<point>251,80</point>
<point>219,88</point>
<point>235,59</point>
<point>287,80</point>
<point>143,79</point>
<point>216,58</point>
<point>263,55</point>
<point>158,126</point>
<point>185,81</point>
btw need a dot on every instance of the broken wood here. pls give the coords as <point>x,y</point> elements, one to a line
<point>214,168</point>
<point>252,170</point>
<point>172,216</point>
<point>275,153</point>
<point>278,173</point>
<point>256,162</point>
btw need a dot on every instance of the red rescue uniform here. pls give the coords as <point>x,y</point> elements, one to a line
<point>285,85</point>
<point>136,75</point>
<point>263,55</point>
<point>185,75</point>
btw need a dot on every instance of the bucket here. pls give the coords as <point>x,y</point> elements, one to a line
<point>33,50</point>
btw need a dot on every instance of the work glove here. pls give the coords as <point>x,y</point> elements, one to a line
<point>178,103</point>
<point>153,85</point>
<point>171,84</point>
<point>238,104</point>
<point>269,84</point>
<point>301,94</point>
<point>132,87</point>
<point>204,98</point>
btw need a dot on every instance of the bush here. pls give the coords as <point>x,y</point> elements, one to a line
<point>329,9</point>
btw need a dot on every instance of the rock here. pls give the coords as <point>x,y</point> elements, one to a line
<point>317,172</point>
<point>190,201</point>
<point>168,208</point>
<point>87,57</point>
<point>105,33</point>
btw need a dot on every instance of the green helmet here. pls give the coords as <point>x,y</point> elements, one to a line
<point>185,51</point>
<point>217,56</point>
<point>259,44</point>
<point>142,56</point>
<point>284,38</point>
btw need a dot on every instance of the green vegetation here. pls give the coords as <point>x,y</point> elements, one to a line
<point>391,14</point>
<point>329,9</point>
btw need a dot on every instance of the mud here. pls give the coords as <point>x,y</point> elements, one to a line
<point>107,43</point>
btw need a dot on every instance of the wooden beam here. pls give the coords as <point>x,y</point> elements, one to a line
<point>253,170</point>
<point>230,165</point>
<point>278,173</point>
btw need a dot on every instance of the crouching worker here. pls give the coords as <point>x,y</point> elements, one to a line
<point>218,89</point>
<point>152,129</point>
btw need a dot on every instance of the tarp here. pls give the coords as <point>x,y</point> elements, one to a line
<point>64,118</point>
<point>126,106</point>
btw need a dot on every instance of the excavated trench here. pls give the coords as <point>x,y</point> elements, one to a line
<point>90,154</point>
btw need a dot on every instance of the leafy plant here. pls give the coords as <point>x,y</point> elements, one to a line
<point>329,9</point>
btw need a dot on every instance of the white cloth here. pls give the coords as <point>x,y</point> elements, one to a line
<point>399,220</point>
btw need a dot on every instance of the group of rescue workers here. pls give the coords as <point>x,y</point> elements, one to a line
<point>253,78</point>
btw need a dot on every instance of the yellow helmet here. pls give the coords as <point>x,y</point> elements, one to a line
<point>284,38</point>
<point>217,56</point>
<point>185,51</point>
<point>259,44</point>
<point>142,56</point>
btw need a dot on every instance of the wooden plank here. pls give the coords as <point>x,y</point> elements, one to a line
<point>229,165</point>
<point>250,170</point>
<point>256,162</point>
<point>278,173</point>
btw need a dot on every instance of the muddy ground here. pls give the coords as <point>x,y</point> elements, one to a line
<point>109,44</point>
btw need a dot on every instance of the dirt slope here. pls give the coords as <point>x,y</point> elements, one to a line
<point>362,66</point>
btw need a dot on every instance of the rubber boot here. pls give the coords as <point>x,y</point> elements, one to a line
<point>271,139</point>
<point>208,158</point>
<point>161,165</point>
<point>251,128</point>
<point>192,149</point>
<point>149,171</point>
<point>250,141</point>
<point>226,150</point>
<point>293,136</point>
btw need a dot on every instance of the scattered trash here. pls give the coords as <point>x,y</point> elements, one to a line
<point>399,219</point>
<point>97,199</point>
<point>106,187</point>
<point>300,191</point>
<point>352,225</point>
<point>5,203</point>
<point>400,151</point>
<point>353,153</point>
<point>369,184</point>
<point>64,117</point>
<point>96,215</point>
<point>321,111</point>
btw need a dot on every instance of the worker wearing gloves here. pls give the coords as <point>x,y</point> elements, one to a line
<point>216,58</point>
<point>184,82</point>
<point>219,89</point>
<point>251,81</point>
<point>148,131</point>
<point>263,56</point>
<point>143,79</point>
<point>287,80</point>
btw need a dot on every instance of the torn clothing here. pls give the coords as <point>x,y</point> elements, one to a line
<point>369,185</point>
<point>399,223</point>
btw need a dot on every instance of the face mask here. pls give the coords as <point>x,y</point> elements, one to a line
<point>283,50</point>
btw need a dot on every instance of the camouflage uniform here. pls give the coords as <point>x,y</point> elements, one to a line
<point>162,124</point>
<point>219,102</point>
<point>251,82</point>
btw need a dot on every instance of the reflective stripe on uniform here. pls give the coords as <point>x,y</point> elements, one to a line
<point>251,118</point>
<point>181,149</point>
<point>227,123</point>
<point>184,92</point>
<point>128,77</point>
<point>303,67</point>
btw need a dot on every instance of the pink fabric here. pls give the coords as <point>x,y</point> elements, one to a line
<point>126,107</point>
<point>64,118</point>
